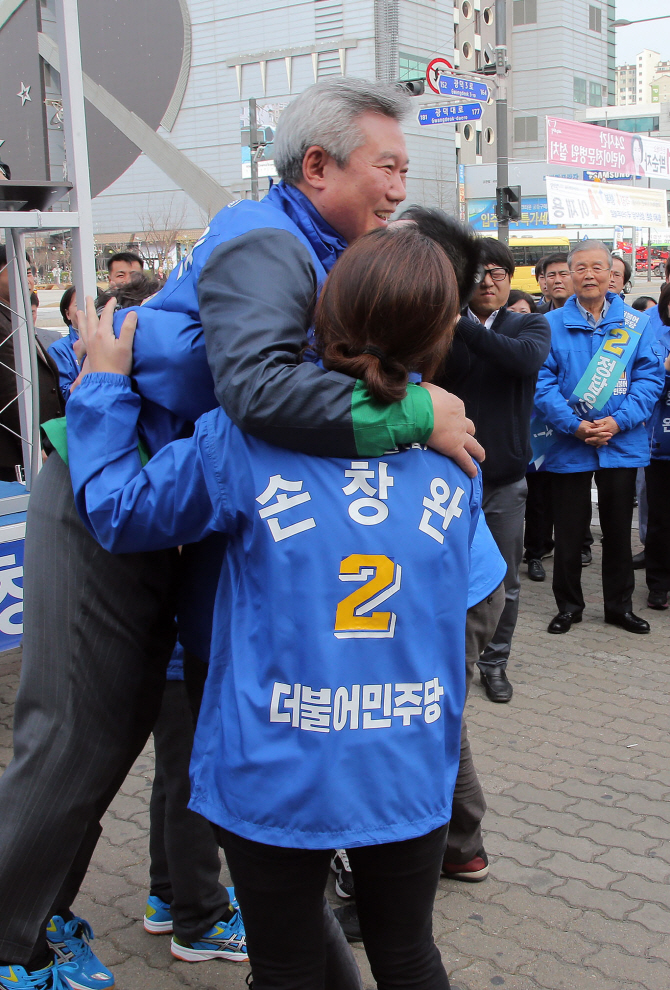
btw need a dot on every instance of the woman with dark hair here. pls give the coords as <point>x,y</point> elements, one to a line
<point>521,302</point>
<point>62,351</point>
<point>657,477</point>
<point>340,610</point>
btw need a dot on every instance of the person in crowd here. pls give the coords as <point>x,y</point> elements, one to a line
<point>657,473</point>
<point>596,390</point>
<point>34,306</point>
<point>121,266</point>
<point>538,272</point>
<point>557,281</point>
<point>643,303</point>
<point>493,367</point>
<point>63,351</point>
<point>521,302</point>
<point>107,626</point>
<point>11,450</point>
<point>376,321</point>
<point>620,273</point>
<point>652,312</point>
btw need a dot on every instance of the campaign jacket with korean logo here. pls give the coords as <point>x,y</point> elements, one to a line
<point>659,422</point>
<point>332,710</point>
<point>573,344</point>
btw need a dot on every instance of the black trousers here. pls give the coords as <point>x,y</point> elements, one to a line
<point>538,532</point>
<point>571,497</point>
<point>395,889</point>
<point>657,545</point>
<point>185,864</point>
<point>98,633</point>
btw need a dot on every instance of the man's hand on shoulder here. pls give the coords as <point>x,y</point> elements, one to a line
<point>453,432</point>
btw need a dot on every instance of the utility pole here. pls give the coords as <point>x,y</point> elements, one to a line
<point>501,110</point>
<point>253,148</point>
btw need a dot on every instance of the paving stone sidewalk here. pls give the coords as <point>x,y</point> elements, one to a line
<point>576,770</point>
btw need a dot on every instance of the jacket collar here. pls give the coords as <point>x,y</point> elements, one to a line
<point>573,319</point>
<point>327,244</point>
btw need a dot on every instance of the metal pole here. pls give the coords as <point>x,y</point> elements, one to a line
<point>25,355</point>
<point>76,148</point>
<point>648,254</point>
<point>253,148</point>
<point>501,109</point>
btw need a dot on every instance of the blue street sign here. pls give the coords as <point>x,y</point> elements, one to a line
<point>450,115</point>
<point>465,88</point>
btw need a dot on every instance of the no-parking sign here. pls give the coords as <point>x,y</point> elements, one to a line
<point>435,69</point>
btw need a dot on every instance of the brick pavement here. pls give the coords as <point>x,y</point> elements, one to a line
<point>577,775</point>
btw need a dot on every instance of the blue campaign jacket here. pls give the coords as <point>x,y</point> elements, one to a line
<point>659,423</point>
<point>62,351</point>
<point>573,344</point>
<point>332,710</point>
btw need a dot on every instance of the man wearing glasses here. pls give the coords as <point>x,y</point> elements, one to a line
<point>596,390</point>
<point>492,367</point>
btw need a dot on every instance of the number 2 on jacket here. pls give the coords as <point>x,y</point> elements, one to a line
<point>355,618</point>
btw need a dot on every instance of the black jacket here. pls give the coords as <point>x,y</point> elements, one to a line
<point>51,402</point>
<point>494,373</point>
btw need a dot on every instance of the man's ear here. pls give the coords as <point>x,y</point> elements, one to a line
<point>314,166</point>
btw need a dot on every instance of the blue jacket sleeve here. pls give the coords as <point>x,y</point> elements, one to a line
<point>66,361</point>
<point>175,499</point>
<point>549,402</point>
<point>646,377</point>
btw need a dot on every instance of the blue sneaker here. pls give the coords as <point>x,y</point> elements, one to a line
<point>17,978</point>
<point>225,940</point>
<point>158,917</point>
<point>70,943</point>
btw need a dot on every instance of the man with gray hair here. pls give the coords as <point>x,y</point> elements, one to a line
<point>98,640</point>
<point>596,391</point>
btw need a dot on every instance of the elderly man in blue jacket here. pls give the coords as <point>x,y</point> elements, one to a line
<point>596,390</point>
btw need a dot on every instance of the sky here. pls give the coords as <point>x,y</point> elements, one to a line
<point>633,39</point>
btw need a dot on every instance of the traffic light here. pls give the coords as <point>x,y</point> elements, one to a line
<point>415,87</point>
<point>508,203</point>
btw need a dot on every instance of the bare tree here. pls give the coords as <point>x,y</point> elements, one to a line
<point>161,231</point>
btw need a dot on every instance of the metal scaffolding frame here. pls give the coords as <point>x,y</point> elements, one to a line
<point>79,219</point>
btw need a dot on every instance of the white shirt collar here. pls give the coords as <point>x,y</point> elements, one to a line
<point>488,323</point>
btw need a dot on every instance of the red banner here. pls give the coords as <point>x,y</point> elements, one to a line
<point>571,142</point>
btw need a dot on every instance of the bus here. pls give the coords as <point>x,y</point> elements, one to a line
<point>527,252</point>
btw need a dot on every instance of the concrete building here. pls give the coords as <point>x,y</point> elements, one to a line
<point>645,118</point>
<point>562,57</point>
<point>474,38</point>
<point>647,80</point>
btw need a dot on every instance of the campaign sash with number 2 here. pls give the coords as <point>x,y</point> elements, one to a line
<point>606,367</point>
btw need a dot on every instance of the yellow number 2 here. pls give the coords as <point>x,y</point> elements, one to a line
<point>382,579</point>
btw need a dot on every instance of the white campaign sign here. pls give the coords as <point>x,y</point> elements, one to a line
<point>573,203</point>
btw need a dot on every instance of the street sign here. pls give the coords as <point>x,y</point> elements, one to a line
<point>450,115</point>
<point>465,88</point>
<point>435,69</point>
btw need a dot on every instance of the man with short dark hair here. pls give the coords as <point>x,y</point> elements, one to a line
<point>620,273</point>
<point>121,266</point>
<point>557,281</point>
<point>493,366</point>
<point>596,390</point>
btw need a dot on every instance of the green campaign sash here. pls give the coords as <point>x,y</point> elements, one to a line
<point>606,367</point>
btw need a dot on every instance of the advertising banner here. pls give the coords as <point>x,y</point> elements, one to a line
<point>575,203</point>
<point>534,214</point>
<point>571,142</point>
<point>11,594</point>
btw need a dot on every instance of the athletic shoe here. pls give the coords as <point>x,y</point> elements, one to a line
<point>476,870</point>
<point>70,943</point>
<point>50,978</point>
<point>344,880</point>
<point>225,940</point>
<point>158,917</point>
